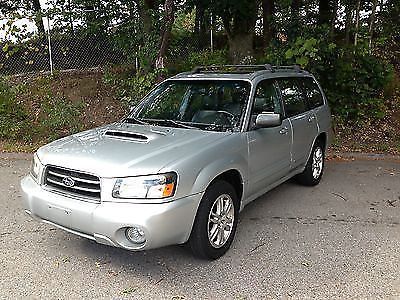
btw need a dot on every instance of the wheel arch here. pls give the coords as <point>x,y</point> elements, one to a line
<point>230,169</point>
<point>234,178</point>
<point>321,137</point>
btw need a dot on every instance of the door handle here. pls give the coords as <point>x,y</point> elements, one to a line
<point>284,130</point>
<point>311,118</point>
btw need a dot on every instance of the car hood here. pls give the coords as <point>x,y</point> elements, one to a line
<point>119,149</point>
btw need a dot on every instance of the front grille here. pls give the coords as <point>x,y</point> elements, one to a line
<point>73,182</point>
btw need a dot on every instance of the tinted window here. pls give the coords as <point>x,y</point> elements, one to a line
<point>207,104</point>
<point>266,98</point>
<point>292,95</point>
<point>312,92</point>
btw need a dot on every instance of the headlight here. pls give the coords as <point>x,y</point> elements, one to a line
<point>150,187</point>
<point>36,167</point>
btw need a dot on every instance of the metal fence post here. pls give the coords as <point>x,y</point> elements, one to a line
<point>49,44</point>
<point>211,34</point>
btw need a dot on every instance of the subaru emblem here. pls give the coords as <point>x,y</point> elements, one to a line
<point>68,182</point>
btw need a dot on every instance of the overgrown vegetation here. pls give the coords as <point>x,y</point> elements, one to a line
<point>39,120</point>
<point>353,79</point>
<point>13,114</point>
<point>351,46</point>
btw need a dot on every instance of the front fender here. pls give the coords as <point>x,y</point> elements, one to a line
<point>211,171</point>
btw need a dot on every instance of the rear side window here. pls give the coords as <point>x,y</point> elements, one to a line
<point>292,95</point>
<point>312,92</point>
<point>266,98</point>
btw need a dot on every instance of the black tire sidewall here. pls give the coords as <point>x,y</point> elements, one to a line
<point>306,177</point>
<point>315,181</point>
<point>199,241</point>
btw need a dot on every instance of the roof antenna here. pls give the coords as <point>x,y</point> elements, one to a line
<point>297,68</point>
<point>269,67</point>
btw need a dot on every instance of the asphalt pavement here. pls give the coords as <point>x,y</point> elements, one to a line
<point>338,240</point>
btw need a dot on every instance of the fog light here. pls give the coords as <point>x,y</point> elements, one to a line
<point>135,235</point>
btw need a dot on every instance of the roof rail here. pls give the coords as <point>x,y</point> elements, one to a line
<point>296,68</point>
<point>244,68</point>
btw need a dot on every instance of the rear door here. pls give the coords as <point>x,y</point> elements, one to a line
<point>269,148</point>
<point>302,119</point>
<point>317,102</point>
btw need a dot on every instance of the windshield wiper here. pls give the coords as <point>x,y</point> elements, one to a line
<point>162,122</point>
<point>219,127</point>
<point>132,119</point>
<point>180,124</point>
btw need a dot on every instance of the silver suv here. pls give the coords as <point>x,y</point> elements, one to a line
<point>185,161</point>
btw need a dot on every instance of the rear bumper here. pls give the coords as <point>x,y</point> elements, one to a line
<point>163,224</point>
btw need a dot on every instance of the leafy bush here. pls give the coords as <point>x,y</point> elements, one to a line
<point>355,87</point>
<point>58,117</point>
<point>49,118</point>
<point>202,58</point>
<point>13,117</point>
<point>352,78</point>
<point>132,88</point>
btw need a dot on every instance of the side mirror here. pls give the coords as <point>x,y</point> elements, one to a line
<point>265,120</point>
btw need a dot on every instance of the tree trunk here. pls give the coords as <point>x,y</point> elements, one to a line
<point>294,19</point>
<point>334,16</point>
<point>145,58</point>
<point>268,7</point>
<point>166,35</point>
<point>239,24</point>
<point>325,12</point>
<point>200,25</point>
<point>144,8</point>
<point>294,9</point>
<point>90,15</point>
<point>349,17</point>
<point>38,16</point>
<point>241,47</point>
<point>372,22</point>
<point>71,23</point>
<point>357,22</point>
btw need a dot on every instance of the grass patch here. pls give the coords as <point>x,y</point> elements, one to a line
<point>32,116</point>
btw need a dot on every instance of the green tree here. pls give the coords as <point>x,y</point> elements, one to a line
<point>239,19</point>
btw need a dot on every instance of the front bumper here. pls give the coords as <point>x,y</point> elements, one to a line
<point>163,224</point>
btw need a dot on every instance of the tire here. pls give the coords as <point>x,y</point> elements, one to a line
<point>215,224</point>
<point>312,174</point>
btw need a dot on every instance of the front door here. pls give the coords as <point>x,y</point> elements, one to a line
<point>268,148</point>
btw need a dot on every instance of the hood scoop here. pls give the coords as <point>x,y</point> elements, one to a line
<point>126,135</point>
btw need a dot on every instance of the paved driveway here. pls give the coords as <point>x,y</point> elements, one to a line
<point>340,239</point>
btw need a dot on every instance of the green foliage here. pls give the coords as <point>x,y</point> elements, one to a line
<point>204,58</point>
<point>131,89</point>
<point>304,50</point>
<point>58,117</point>
<point>184,24</point>
<point>355,86</point>
<point>12,113</point>
<point>353,79</point>
<point>52,117</point>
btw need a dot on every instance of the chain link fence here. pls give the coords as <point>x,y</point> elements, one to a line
<point>77,51</point>
<point>51,52</point>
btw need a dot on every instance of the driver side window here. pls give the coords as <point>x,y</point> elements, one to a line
<point>266,98</point>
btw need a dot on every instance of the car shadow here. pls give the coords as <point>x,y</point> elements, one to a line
<point>182,253</point>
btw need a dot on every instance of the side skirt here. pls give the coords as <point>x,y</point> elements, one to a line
<point>253,197</point>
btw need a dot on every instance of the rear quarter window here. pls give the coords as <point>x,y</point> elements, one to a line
<point>293,98</point>
<point>312,92</point>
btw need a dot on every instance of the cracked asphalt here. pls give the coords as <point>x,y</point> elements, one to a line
<point>338,240</point>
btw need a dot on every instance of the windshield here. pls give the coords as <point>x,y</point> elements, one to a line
<point>203,104</point>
